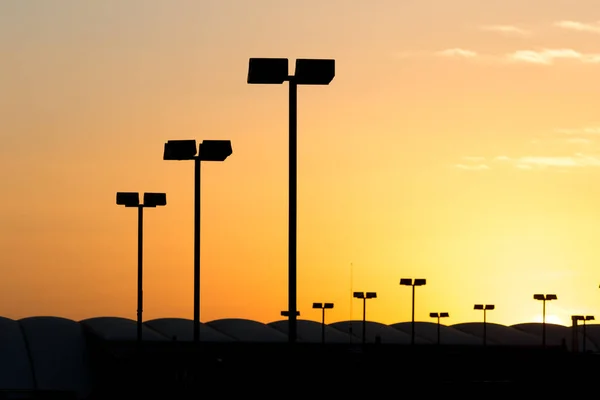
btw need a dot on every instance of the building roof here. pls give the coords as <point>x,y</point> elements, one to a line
<point>182,329</point>
<point>245,330</point>
<point>448,335</point>
<point>311,331</point>
<point>557,334</point>
<point>116,328</point>
<point>58,353</point>
<point>497,334</point>
<point>375,330</point>
<point>15,367</point>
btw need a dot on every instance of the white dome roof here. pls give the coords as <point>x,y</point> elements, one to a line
<point>58,352</point>
<point>386,333</point>
<point>555,334</point>
<point>497,334</point>
<point>183,330</point>
<point>428,331</point>
<point>116,328</point>
<point>245,330</point>
<point>15,368</point>
<point>311,331</point>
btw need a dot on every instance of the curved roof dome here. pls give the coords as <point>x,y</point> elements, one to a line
<point>311,331</point>
<point>592,332</point>
<point>58,353</point>
<point>182,329</point>
<point>116,328</point>
<point>375,330</point>
<point>245,330</point>
<point>428,331</point>
<point>556,334</point>
<point>15,368</point>
<point>497,334</point>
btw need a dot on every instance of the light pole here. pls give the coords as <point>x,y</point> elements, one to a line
<point>209,150</point>
<point>438,316</point>
<point>364,296</point>
<point>323,307</point>
<point>585,318</point>
<point>544,298</point>
<point>132,199</point>
<point>485,308</point>
<point>413,283</point>
<point>273,71</point>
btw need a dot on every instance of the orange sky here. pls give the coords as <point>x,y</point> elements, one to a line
<point>458,142</point>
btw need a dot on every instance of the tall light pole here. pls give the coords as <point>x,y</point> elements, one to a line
<point>364,296</point>
<point>132,199</point>
<point>485,308</point>
<point>323,307</point>
<point>209,150</point>
<point>413,283</point>
<point>274,71</point>
<point>544,298</point>
<point>438,316</point>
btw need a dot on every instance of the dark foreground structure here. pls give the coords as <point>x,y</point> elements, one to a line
<point>182,371</point>
<point>99,358</point>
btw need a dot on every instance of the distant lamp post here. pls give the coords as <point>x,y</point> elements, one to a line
<point>151,200</point>
<point>582,318</point>
<point>438,316</point>
<point>413,283</point>
<point>544,298</point>
<point>323,307</point>
<point>485,308</point>
<point>365,296</point>
<point>274,71</point>
<point>209,150</point>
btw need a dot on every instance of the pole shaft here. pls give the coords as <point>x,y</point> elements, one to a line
<point>364,324</point>
<point>197,162</point>
<point>412,325</point>
<point>292,224</point>
<point>323,327</point>
<point>438,331</point>
<point>484,327</point>
<point>140,271</point>
<point>544,323</point>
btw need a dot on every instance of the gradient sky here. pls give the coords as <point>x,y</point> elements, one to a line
<point>459,142</point>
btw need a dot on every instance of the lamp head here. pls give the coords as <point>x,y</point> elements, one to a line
<point>180,150</point>
<point>128,199</point>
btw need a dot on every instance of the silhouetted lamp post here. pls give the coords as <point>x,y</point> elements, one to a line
<point>323,307</point>
<point>132,199</point>
<point>438,316</point>
<point>274,71</point>
<point>584,319</point>
<point>485,308</point>
<point>364,296</point>
<point>209,150</point>
<point>413,283</point>
<point>544,298</point>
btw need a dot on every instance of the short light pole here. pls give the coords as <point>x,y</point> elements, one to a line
<point>274,71</point>
<point>413,283</point>
<point>585,319</point>
<point>438,316</point>
<point>544,298</point>
<point>209,150</point>
<point>485,308</point>
<point>365,296</point>
<point>151,200</point>
<point>322,307</point>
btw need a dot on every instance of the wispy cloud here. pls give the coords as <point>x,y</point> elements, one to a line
<point>457,52</point>
<point>587,130</point>
<point>549,56</point>
<point>579,26</point>
<point>577,160</point>
<point>475,167</point>
<point>505,30</point>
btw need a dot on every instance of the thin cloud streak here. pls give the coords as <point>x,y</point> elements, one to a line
<point>579,26</point>
<point>505,29</point>
<point>457,52</point>
<point>549,56</point>
<point>578,160</point>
